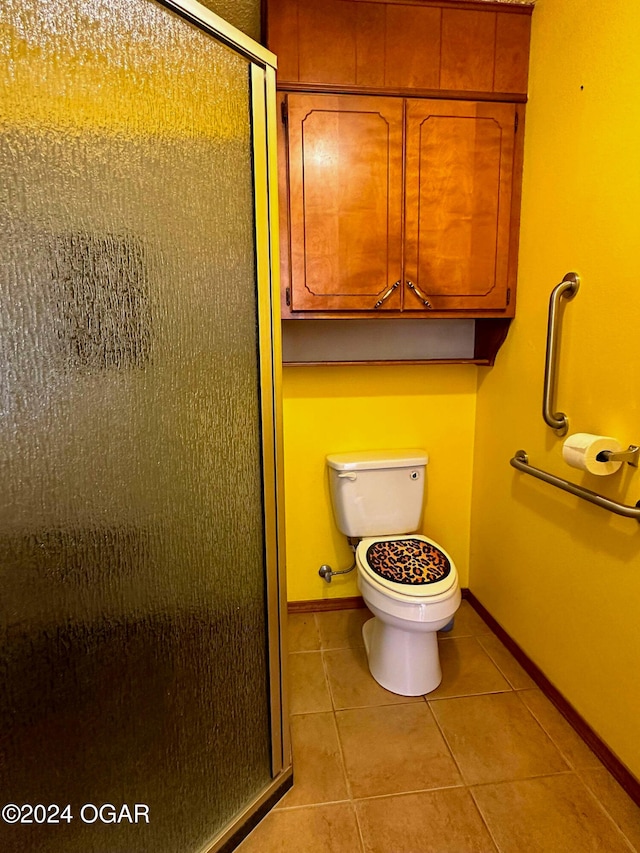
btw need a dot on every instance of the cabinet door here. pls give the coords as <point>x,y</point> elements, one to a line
<point>458,208</point>
<point>345,197</point>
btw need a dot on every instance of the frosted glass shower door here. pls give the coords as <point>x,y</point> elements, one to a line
<point>139,661</point>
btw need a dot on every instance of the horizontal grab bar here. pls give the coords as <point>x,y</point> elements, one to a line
<point>521,462</point>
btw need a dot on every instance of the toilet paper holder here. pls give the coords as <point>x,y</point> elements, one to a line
<point>630,455</point>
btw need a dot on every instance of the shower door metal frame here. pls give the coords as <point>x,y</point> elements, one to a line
<point>264,129</point>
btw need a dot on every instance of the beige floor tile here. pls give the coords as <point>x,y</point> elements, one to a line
<point>341,629</point>
<point>506,663</point>
<point>352,685</point>
<point>467,670</point>
<point>313,829</point>
<point>495,738</point>
<point>568,741</point>
<point>537,786</point>
<point>467,623</point>
<point>308,689</point>
<point>393,749</point>
<point>554,814</point>
<point>621,808</point>
<point>318,772</point>
<point>302,632</point>
<point>428,822</point>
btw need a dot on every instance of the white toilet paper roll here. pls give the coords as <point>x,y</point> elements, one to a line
<point>580,451</point>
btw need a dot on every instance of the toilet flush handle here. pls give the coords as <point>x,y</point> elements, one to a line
<point>348,476</point>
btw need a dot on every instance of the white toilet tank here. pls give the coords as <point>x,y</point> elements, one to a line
<point>377,492</point>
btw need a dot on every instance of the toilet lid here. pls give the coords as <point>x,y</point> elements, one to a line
<point>412,565</point>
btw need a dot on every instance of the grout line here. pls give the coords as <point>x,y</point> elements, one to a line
<point>553,739</point>
<point>576,779</point>
<point>472,788</point>
<point>413,701</point>
<point>449,635</point>
<point>326,684</point>
<point>342,758</point>
<point>446,742</point>
<point>327,681</point>
<point>541,725</point>
<point>459,787</point>
<point>603,808</point>
<point>312,805</point>
<point>482,818</point>
<point>346,776</point>
<point>317,633</point>
<point>472,785</point>
<point>360,832</point>
<point>317,627</point>
<point>496,663</point>
<point>311,713</point>
<point>509,689</point>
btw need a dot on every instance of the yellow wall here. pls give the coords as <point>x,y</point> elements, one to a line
<point>562,576</point>
<point>334,409</point>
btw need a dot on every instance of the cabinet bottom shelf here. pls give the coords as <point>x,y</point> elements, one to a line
<point>348,342</point>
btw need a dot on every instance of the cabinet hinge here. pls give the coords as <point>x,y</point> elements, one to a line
<point>284,113</point>
<point>287,296</point>
<point>516,122</point>
<point>508,295</point>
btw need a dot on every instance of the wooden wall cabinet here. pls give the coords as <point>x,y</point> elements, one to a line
<point>401,158</point>
<point>399,205</point>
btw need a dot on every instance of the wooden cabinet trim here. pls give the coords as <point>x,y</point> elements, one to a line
<point>384,92</point>
<point>470,47</point>
<point>374,316</point>
<point>497,6</point>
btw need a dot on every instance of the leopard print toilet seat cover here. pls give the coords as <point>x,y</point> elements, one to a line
<point>410,561</point>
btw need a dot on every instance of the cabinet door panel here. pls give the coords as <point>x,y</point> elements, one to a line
<point>459,171</point>
<point>345,173</point>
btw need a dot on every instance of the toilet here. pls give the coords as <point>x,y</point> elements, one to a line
<point>407,580</point>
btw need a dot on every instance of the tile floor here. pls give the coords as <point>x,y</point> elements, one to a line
<point>484,763</point>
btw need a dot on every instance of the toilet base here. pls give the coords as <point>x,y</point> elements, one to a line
<point>403,662</point>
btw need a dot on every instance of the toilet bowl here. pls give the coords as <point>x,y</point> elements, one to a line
<point>410,584</point>
<point>407,580</point>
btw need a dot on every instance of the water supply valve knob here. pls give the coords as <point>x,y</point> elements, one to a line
<point>325,573</point>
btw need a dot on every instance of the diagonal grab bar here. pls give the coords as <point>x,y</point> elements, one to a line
<point>567,288</point>
<point>521,462</point>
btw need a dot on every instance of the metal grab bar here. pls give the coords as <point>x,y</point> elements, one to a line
<point>521,462</point>
<point>567,288</point>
